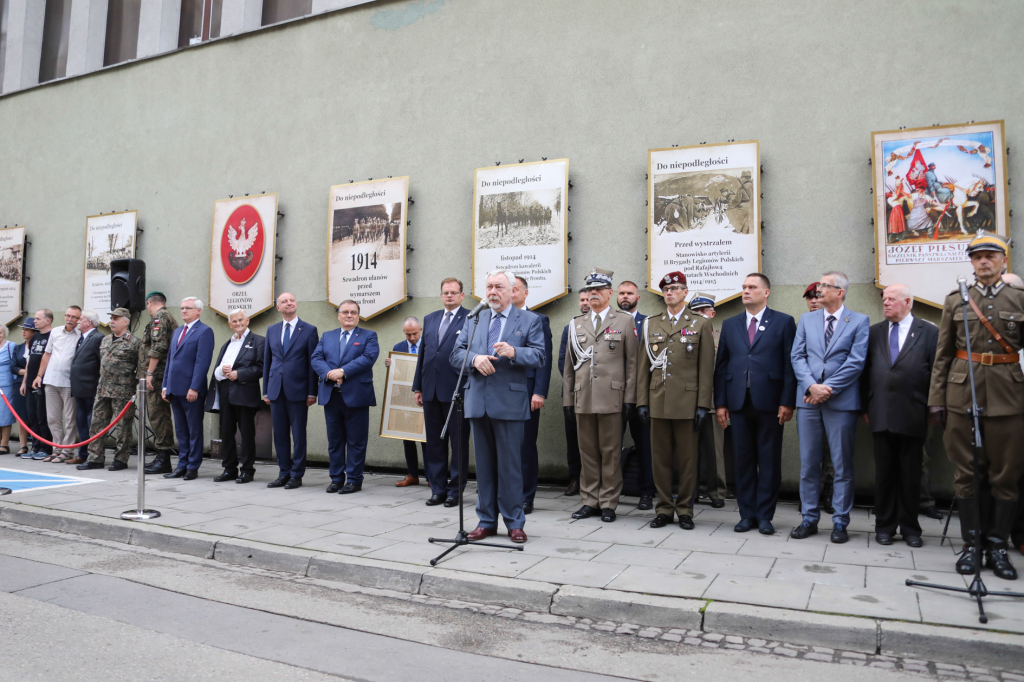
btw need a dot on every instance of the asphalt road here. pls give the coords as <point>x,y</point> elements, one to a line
<point>75,609</point>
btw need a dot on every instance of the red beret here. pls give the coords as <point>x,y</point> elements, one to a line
<point>811,291</point>
<point>672,278</point>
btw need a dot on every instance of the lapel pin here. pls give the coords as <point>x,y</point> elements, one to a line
<point>846,319</point>
<point>761,328</point>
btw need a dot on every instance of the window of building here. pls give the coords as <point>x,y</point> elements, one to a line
<point>200,21</point>
<point>53,62</point>
<point>122,31</point>
<point>283,10</point>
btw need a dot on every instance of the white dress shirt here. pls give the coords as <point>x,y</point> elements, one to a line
<point>597,319</point>
<point>759,316</point>
<point>180,337</point>
<point>409,344</point>
<point>904,326</point>
<point>284,326</point>
<point>230,355</point>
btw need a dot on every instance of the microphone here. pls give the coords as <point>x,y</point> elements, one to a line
<point>479,307</point>
<point>962,283</point>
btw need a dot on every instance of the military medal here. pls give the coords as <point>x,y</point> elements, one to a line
<point>1011,325</point>
<point>654,347</point>
<point>689,348</point>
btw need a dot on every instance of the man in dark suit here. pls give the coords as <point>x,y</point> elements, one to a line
<point>894,401</point>
<point>289,387</point>
<point>755,388</point>
<point>537,382</point>
<point>235,393</point>
<point>185,386</point>
<point>412,344</point>
<point>343,360</point>
<point>628,299</point>
<point>572,438</point>
<point>434,386</point>
<point>85,375</point>
<point>510,342</point>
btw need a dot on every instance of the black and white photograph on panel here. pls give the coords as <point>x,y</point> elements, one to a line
<point>532,217</point>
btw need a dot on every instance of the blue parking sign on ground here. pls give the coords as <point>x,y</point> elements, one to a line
<point>21,481</point>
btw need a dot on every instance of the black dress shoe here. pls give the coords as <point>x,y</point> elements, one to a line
<point>661,520</point>
<point>932,512</point>
<point>646,503</point>
<point>883,538</point>
<point>573,489</point>
<point>913,541</point>
<point>744,525</point>
<point>452,501</point>
<point>278,482</point>
<point>585,512</point>
<point>804,530</point>
<point>245,477</point>
<point>226,476</point>
<point>161,464</point>
<point>527,507</point>
<point>191,475</point>
<point>765,527</point>
<point>117,465</point>
<point>686,522</point>
<point>350,487</point>
<point>997,559</point>
<point>89,465</point>
<point>607,515</point>
<point>839,535</point>
<point>177,473</point>
<point>435,500</point>
<point>968,561</point>
<point>717,504</point>
<point>293,483</point>
<point>334,487</point>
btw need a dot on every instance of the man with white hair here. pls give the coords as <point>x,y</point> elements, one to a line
<point>85,375</point>
<point>185,386</point>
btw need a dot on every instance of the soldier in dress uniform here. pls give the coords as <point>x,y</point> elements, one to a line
<point>156,340</point>
<point>711,439</point>
<point>122,364</point>
<point>599,383</point>
<point>677,367</point>
<point>995,318</point>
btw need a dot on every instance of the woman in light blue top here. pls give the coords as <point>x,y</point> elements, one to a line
<point>7,351</point>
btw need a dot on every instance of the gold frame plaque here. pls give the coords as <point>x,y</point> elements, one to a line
<point>399,412</point>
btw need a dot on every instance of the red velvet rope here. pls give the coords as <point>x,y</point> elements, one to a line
<point>73,445</point>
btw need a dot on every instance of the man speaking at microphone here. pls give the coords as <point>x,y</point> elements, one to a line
<point>509,341</point>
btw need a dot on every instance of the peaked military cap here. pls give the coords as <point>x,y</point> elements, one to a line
<point>986,241</point>
<point>598,279</point>
<point>700,301</point>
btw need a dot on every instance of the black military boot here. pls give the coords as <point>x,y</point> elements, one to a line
<point>161,464</point>
<point>997,557</point>
<point>967,564</point>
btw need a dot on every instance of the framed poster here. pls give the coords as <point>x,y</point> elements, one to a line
<point>242,254</point>
<point>12,269</point>
<point>934,189</point>
<point>519,225</point>
<point>107,237</point>
<point>704,216</point>
<point>366,238</point>
<point>400,416</point>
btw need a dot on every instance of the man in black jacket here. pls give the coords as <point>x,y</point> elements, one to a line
<point>572,439</point>
<point>894,395</point>
<point>85,375</point>
<point>235,392</point>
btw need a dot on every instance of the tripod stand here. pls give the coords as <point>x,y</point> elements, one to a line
<point>462,537</point>
<point>977,589</point>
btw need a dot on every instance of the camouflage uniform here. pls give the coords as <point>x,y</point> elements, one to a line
<point>156,341</point>
<point>122,364</point>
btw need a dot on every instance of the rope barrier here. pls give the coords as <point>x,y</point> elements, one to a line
<point>73,445</point>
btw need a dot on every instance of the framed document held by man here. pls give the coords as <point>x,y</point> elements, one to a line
<point>401,417</point>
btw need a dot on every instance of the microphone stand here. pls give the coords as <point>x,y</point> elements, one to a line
<point>977,589</point>
<point>462,537</point>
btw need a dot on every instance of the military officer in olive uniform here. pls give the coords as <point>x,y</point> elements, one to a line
<point>122,364</point>
<point>157,342</point>
<point>677,367</point>
<point>600,385</point>
<point>995,315</point>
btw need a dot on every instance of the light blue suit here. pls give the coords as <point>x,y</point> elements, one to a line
<point>839,367</point>
<point>498,407</point>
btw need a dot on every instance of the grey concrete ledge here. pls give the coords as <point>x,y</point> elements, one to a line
<point>527,595</point>
<point>952,644</point>
<point>173,540</point>
<point>628,607</point>
<point>796,627</point>
<point>384,575</point>
<point>263,555</point>
<point>27,515</point>
<point>98,527</point>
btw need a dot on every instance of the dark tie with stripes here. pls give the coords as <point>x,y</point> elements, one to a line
<point>830,329</point>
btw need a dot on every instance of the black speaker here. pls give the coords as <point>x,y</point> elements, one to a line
<point>128,284</point>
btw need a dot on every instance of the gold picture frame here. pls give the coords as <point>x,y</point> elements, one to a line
<point>399,411</point>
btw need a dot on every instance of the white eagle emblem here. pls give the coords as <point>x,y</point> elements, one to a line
<point>239,242</point>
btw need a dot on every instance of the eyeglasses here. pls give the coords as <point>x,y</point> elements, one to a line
<point>674,288</point>
<point>822,285</point>
<point>188,308</point>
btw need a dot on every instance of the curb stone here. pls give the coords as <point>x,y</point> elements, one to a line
<point>385,575</point>
<point>628,607</point>
<point>262,555</point>
<point>528,595</point>
<point>174,540</point>
<point>936,642</point>
<point>797,627</point>
<point>105,529</point>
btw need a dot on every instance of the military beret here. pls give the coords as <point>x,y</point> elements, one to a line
<point>672,278</point>
<point>986,241</point>
<point>155,293</point>
<point>700,301</point>
<point>598,279</point>
<point>811,291</point>
<point>121,312</point>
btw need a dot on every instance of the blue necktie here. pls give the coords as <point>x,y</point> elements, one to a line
<point>413,351</point>
<point>287,337</point>
<point>830,329</point>
<point>493,333</point>
<point>894,343</point>
<point>344,341</point>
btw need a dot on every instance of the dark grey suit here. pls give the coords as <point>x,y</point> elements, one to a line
<point>238,402</point>
<point>85,376</point>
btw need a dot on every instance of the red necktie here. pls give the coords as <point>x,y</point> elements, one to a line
<point>752,330</point>
<point>182,337</point>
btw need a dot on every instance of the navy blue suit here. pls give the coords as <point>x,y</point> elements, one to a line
<point>641,434</point>
<point>538,380</point>
<point>754,409</point>
<point>347,406</point>
<point>572,437</point>
<point>188,363</point>
<point>436,379</point>
<point>411,463</point>
<point>288,379</point>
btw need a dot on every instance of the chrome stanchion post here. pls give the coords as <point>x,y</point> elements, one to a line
<point>140,513</point>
